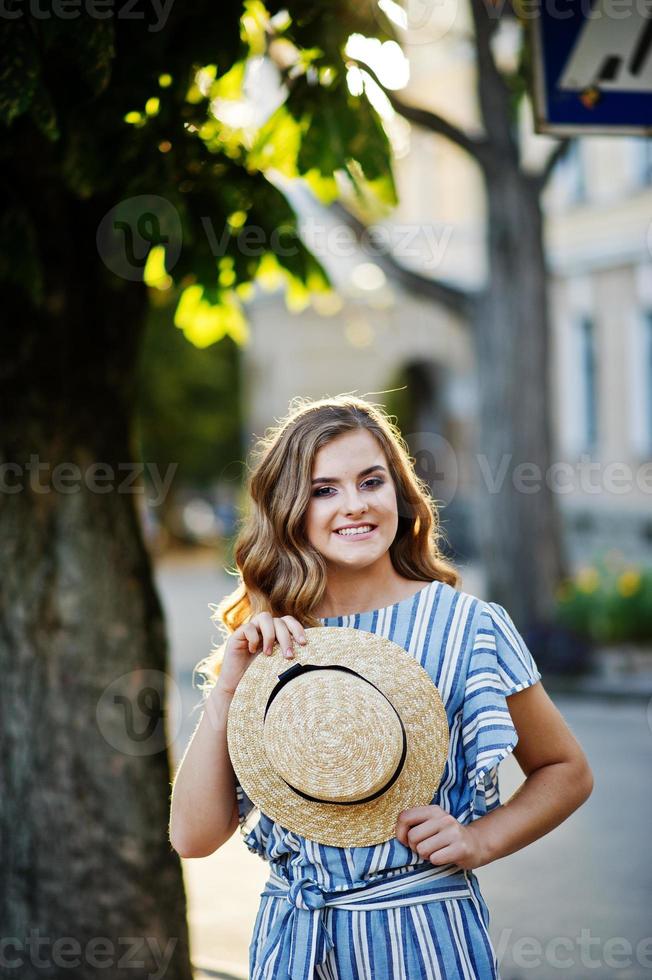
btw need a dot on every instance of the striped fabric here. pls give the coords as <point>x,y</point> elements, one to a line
<point>477,658</point>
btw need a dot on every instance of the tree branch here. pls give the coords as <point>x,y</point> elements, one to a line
<point>459,301</point>
<point>493,94</point>
<point>557,154</point>
<point>435,123</point>
<point>427,119</point>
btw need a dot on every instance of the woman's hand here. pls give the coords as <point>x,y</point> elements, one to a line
<point>256,636</point>
<point>438,837</point>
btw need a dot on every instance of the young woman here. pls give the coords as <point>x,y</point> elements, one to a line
<point>341,532</point>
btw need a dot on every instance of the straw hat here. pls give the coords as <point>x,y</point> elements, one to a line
<point>335,743</point>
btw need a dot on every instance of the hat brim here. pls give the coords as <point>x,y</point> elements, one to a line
<point>401,679</point>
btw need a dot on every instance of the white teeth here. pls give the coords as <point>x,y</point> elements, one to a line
<point>348,531</point>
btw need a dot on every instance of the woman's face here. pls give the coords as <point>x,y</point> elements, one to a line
<point>352,486</point>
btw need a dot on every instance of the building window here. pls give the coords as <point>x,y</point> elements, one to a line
<point>647,327</point>
<point>639,384</point>
<point>588,400</point>
<point>642,161</point>
<point>573,173</point>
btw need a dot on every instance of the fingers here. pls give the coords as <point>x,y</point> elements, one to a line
<point>408,818</point>
<point>250,631</point>
<point>295,628</point>
<point>423,831</point>
<point>422,818</point>
<point>265,624</point>
<point>446,855</point>
<point>284,629</point>
<point>284,637</point>
<point>432,843</point>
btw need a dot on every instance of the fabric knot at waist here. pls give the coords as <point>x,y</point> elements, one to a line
<point>299,939</point>
<point>306,894</point>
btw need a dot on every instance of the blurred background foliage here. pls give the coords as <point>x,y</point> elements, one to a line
<point>113,118</point>
<point>608,601</point>
<point>189,409</point>
<point>103,126</point>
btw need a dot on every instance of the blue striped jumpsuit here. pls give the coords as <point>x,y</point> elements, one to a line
<point>382,912</point>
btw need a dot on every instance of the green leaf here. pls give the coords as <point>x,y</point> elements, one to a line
<point>204,321</point>
<point>19,69</point>
<point>277,144</point>
<point>229,85</point>
<point>253,26</point>
<point>43,113</point>
<point>325,189</point>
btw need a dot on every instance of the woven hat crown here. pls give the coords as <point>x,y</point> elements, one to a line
<point>332,735</point>
<point>336,745</point>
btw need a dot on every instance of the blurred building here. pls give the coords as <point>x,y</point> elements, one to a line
<point>378,334</point>
<point>600,249</point>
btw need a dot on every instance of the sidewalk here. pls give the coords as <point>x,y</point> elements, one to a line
<point>216,971</point>
<point>630,687</point>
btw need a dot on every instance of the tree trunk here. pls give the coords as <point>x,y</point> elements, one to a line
<point>519,526</point>
<point>90,880</point>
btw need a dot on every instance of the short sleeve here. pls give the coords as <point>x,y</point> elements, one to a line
<point>250,829</point>
<point>245,806</point>
<point>500,665</point>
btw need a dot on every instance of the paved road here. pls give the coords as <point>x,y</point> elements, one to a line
<point>574,904</point>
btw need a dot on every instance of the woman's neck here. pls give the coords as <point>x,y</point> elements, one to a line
<point>352,590</point>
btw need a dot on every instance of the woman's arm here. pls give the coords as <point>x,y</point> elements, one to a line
<point>558,781</point>
<point>203,811</point>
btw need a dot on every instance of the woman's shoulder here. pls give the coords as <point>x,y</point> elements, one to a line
<point>439,613</point>
<point>456,595</point>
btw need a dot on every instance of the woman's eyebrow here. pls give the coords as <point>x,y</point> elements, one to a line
<point>334,479</point>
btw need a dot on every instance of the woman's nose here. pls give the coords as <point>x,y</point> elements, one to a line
<point>355,504</point>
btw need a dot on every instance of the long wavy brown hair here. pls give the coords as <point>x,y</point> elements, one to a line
<point>279,570</point>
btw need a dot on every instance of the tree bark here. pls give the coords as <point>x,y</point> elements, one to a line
<point>89,878</point>
<point>519,530</point>
<point>519,526</point>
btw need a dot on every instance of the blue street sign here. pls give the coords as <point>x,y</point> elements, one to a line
<point>593,66</point>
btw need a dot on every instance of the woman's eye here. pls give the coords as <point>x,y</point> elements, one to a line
<point>372,483</point>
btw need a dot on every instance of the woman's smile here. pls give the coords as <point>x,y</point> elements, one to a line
<point>352,533</point>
